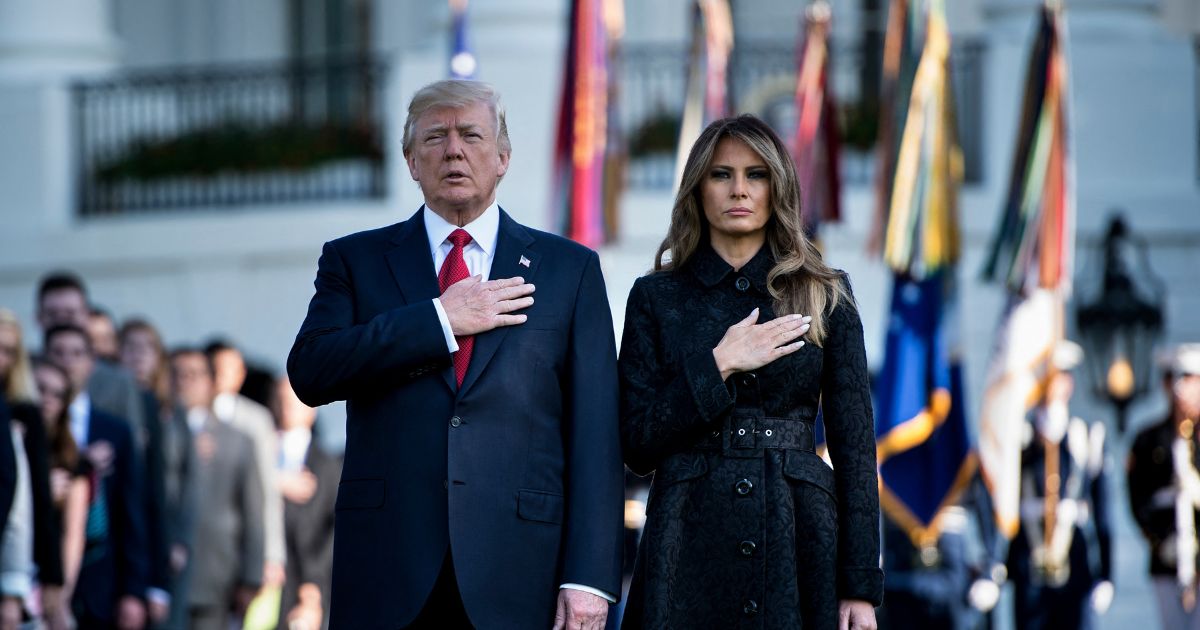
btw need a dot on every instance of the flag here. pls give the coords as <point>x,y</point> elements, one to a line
<point>1031,254</point>
<point>706,97</point>
<point>815,145</point>
<point>582,121</point>
<point>462,60</point>
<point>923,445</point>
<point>899,67</point>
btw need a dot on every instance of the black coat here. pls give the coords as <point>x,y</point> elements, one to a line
<point>308,529</point>
<point>746,526</point>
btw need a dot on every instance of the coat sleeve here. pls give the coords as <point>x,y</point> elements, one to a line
<point>593,524</point>
<point>134,551</point>
<point>334,356</point>
<point>47,533</point>
<point>850,434</point>
<point>250,496</point>
<point>661,404</point>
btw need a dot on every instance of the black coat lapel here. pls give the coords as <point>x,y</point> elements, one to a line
<point>512,246</point>
<point>411,264</point>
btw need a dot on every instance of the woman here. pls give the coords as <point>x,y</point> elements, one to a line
<point>142,352</point>
<point>17,387</point>
<point>746,525</point>
<point>70,474</point>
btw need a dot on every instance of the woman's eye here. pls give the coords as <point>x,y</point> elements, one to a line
<point>758,175</point>
<point>719,175</point>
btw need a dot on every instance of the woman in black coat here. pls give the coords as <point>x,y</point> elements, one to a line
<point>729,347</point>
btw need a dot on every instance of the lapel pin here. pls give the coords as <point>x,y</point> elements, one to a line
<point>524,262</point>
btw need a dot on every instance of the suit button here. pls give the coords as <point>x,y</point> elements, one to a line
<point>744,487</point>
<point>747,547</point>
<point>456,422</point>
<point>750,607</point>
<point>742,284</point>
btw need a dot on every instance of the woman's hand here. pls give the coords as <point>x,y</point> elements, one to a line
<point>748,346</point>
<point>856,614</point>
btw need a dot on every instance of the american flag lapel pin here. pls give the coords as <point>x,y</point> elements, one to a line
<point>524,262</point>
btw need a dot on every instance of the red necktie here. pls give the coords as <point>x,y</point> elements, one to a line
<point>454,268</point>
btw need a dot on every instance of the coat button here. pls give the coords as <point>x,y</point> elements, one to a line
<point>748,379</point>
<point>747,547</point>
<point>744,487</point>
<point>742,284</point>
<point>456,422</point>
<point>750,607</point>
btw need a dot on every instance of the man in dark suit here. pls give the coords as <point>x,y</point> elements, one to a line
<point>308,478</point>
<point>482,476</point>
<point>112,579</point>
<point>224,569</point>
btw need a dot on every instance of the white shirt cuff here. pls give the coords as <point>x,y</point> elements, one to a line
<point>447,332</point>
<point>587,589</point>
<point>15,584</point>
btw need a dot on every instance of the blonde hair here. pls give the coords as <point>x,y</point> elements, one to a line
<point>457,93</point>
<point>19,386</point>
<point>800,281</point>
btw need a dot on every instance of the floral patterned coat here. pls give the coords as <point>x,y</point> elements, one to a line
<point>746,526</point>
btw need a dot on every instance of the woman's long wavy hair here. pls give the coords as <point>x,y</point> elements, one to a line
<point>64,453</point>
<point>800,281</point>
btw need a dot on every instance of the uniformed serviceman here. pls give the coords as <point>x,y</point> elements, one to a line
<point>1164,492</point>
<point>1060,559</point>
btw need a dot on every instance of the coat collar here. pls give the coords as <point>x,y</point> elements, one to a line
<point>710,269</point>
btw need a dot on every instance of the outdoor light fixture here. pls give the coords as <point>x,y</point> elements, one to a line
<point>1121,319</point>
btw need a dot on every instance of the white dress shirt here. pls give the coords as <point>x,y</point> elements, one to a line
<point>80,411</point>
<point>478,254</point>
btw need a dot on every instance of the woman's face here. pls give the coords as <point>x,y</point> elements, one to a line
<point>52,390</point>
<point>736,191</point>
<point>9,347</point>
<point>139,355</point>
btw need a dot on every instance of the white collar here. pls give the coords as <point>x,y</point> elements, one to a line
<point>484,230</point>
<point>79,412</point>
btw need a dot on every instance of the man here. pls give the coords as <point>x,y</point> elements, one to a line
<point>113,577</point>
<point>308,477</point>
<point>256,422</point>
<point>63,301</point>
<point>103,332</point>
<point>1060,560</point>
<point>224,568</point>
<point>1164,492</point>
<point>482,475</point>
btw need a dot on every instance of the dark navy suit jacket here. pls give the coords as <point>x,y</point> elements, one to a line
<point>518,471</point>
<point>119,565</point>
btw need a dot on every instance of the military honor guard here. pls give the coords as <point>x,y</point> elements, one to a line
<point>1164,491</point>
<point>1061,557</point>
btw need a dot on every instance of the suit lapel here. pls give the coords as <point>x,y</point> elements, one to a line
<point>512,246</point>
<point>411,264</point>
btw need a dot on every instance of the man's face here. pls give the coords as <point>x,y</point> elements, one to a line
<point>456,160</point>
<point>1187,396</point>
<point>191,381</point>
<point>63,307</point>
<point>140,355</point>
<point>104,336</point>
<point>69,351</point>
<point>231,371</point>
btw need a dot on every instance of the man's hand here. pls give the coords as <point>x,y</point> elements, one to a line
<point>855,614</point>
<point>473,306</point>
<point>158,611</point>
<point>131,613</point>
<point>298,487</point>
<point>580,610</point>
<point>242,596</point>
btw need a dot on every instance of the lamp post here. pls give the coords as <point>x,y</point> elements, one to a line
<point>1121,323</point>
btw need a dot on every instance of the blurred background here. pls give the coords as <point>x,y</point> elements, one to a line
<point>187,158</point>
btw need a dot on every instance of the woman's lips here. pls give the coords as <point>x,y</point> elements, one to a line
<point>739,212</point>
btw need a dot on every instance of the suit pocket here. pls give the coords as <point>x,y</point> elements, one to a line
<point>360,494</point>
<point>544,507</point>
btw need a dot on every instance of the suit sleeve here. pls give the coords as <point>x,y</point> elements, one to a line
<point>334,355</point>
<point>660,404</point>
<point>251,498</point>
<point>131,513</point>
<point>593,529</point>
<point>850,434</point>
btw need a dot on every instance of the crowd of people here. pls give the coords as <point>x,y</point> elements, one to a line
<point>147,488</point>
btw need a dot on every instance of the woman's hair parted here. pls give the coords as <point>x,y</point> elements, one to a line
<point>800,281</point>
